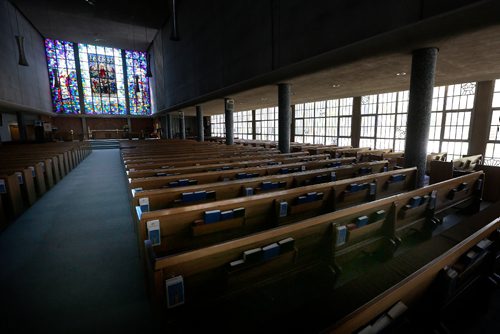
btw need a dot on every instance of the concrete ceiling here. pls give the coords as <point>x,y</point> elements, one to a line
<point>471,56</point>
<point>127,24</point>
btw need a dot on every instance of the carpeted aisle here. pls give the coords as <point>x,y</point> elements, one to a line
<point>70,263</point>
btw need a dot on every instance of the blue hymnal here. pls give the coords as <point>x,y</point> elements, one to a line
<point>173,184</point>
<point>380,214</point>
<point>341,235</point>
<point>311,196</point>
<point>183,182</point>
<point>32,171</point>
<point>241,176</point>
<point>301,200</point>
<point>3,188</point>
<point>239,212</point>
<point>270,251</point>
<point>224,215</point>
<point>415,201</point>
<point>266,185</point>
<point>212,216</point>
<point>286,245</point>
<point>144,204</point>
<point>236,263</point>
<point>353,187</point>
<point>188,197</point>
<point>175,291</point>
<point>161,174</point>
<point>248,191</point>
<point>284,171</point>
<point>252,255</point>
<point>200,195</point>
<point>361,221</point>
<point>398,177</point>
<point>373,188</point>
<point>283,209</point>
<point>365,170</point>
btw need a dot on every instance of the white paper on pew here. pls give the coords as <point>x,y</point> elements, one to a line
<point>138,211</point>
<point>175,291</point>
<point>3,188</point>
<point>381,323</point>
<point>154,235</point>
<point>144,204</point>
<point>367,330</point>
<point>135,191</point>
<point>32,171</point>
<point>397,310</point>
<point>20,177</point>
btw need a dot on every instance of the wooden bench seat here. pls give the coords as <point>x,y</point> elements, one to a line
<point>228,174</point>
<point>179,230</point>
<point>210,157</point>
<point>412,288</point>
<point>169,197</point>
<point>247,162</point>
<point>207,271</point>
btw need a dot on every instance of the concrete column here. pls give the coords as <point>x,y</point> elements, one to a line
<point>254,126</point>
<point>229,122</point>
<point>85,128</point>
<point>21,124</point>
<point>292,125</point>
<point>182,125</point>
<point>129,123</point>
<point>356,121</point>
<point>481,117</point>
<point>284,117</point>
<point>199,122</point>
<point>423,70</point>
<point>168,118</point>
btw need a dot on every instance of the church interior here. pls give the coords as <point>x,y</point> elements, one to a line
<point>255,166</point>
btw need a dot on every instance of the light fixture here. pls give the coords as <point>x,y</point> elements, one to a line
<point>91,2</point>
<point>174,36</point>
<point>401,74</point>
<point>335,85</point>
<point>20,47</point>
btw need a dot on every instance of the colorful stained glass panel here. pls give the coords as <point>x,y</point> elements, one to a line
<point>138,83</point>
<point>62,76</point>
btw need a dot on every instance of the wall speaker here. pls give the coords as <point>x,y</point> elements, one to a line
<point>20,47</point>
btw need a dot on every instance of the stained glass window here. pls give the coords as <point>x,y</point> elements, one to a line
<point>62,76</point>
<point>106,79</point>
<point>138,84</point>
<point>102,80</point>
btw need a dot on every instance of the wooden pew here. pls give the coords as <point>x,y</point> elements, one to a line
<point>221,175</point>
<point>180,229</point>
<point>210,158</point>
<point>314,239</point>
<point>164,198</point>
<point>410,291</point>
<point>247,162</point>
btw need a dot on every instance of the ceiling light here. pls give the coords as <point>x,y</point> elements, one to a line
<point>335,85</point>
<point>401,74</point>
<point>90,2</point>
<point>263,98</point>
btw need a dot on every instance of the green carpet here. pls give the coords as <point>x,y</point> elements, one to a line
<point>70,263</point>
